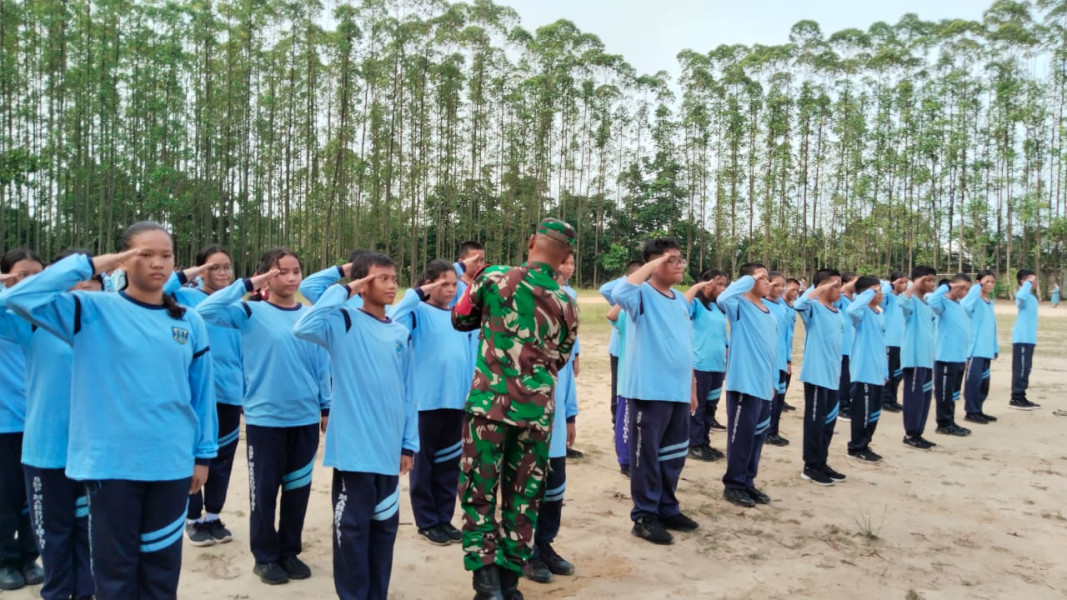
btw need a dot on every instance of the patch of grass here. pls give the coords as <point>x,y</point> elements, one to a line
<point>868,528</point>
<point>913,595</point>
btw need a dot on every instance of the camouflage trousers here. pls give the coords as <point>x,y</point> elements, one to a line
<point>506,465</point>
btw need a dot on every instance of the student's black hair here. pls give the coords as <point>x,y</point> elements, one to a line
<point>354,255</point>
<point>1019,277</point>
<point>823,275</point>
<point>848,276</point>
<point>71,252</point>
<point>208,251</point>
<point>921,271</point>
<point>961,277</point>
<point>268,261</point>
<point>15,255</point>
<point>712,274</point>
<point>866,282</point>
<point>174,310</point>
<point>774,275</point>
<point>792,280</point>
<point>434,269</point>
<point>371,259</point>
<point>751,268</point>
<point>895,275</point>
<point>659,246</point>
<point>469,246</point>
<point>985,273</point>
<point>633,265</point>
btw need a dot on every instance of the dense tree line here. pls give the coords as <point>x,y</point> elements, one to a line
<point>414,125</point>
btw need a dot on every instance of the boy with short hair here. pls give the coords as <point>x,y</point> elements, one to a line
<point>374,432</point>
<point>824,326</point>
<point>984,347</point>
<point>751,384</point>
<point>868,365</point>
<point>917,356</point>
<point>658,382</point>
<point>950,360</point>
<point>1023,340</point>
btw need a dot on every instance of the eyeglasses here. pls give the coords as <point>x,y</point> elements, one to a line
<point>675,261</point>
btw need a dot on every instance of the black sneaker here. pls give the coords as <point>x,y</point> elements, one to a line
<point>892,406</point>
<point>218,531</point>
<point>864,455</point>
<point>625,471</point>
<point>555,563</point>
<point>295,568</point>
<point>679,522</point>
<point>1022,405</point>
<point>988,418</point>
<point>199,534</point>
<point>32,573</point>
<point>786,407</point>
<point>718,454</point>
<point>271,573</point>
<point>915,442</point>
<point>575,454</point>
<point>650,529</point>
<point>777,440</point>
<point>816,476</point>
<point>704,453</point>
<point>535,569</point>
<point>436,536</point>
<point>717,426</point>
<point>758,497</point>
<point>845,414</point>
<point>11,579</point>
<point>953,429</point>
<point>453,534</point>
<point>976,418</point>
<point>738,497</point>
<point>927,444</point>
<point>832,474</point>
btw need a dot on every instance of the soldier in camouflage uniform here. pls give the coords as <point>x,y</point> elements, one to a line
<point>528,326</point>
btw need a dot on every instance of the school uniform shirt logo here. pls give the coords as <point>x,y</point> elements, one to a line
<point>180,335</point>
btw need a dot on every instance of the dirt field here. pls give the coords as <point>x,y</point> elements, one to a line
<point>978,517</point>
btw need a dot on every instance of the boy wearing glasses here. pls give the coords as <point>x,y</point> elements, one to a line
<point>657,378</point>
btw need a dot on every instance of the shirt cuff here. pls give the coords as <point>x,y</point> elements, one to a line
<point>406,452</point>
<point>203,462</point>
<point>325,412</point>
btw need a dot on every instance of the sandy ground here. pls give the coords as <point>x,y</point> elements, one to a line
<point>980,517</point>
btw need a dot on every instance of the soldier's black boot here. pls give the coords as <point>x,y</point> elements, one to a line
<point>509,584</point>
<point>487,584</point>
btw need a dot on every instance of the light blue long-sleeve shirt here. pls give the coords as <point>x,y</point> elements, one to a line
<point>142,403</point>
<point>824,332</point>
<point>787,319</point>
<point>287,379</point>
<point>1025,329</point>
<point>953,327</point>
<point>659,351</point>
<point>984,343</point>
<point>443,370</point>
<point>374,418</point>
<point>868,362</point>
<point>919,325</point>
<point>842,305</point>
<point>710,339</point>
<point>894,318</point>
<point>752,368</point>
<point>605,292</point>
<point>566,393</point>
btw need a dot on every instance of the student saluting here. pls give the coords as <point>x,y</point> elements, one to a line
<point>142,407</point>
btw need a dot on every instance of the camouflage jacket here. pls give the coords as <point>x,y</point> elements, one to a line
<point>528,327</point>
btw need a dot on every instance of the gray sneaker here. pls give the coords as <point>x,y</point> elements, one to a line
<point>218,531</point>
<point>199,534</point>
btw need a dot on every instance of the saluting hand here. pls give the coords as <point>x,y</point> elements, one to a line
<point>429,287</point>
<point>7,278</point>
<point>110,262</point>
<point>357,286</point>
<point>258,281</point>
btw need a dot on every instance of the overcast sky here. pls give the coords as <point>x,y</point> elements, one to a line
<point>650,33</point>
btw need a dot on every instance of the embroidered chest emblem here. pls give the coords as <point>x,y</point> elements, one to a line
<point>180,335</point>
